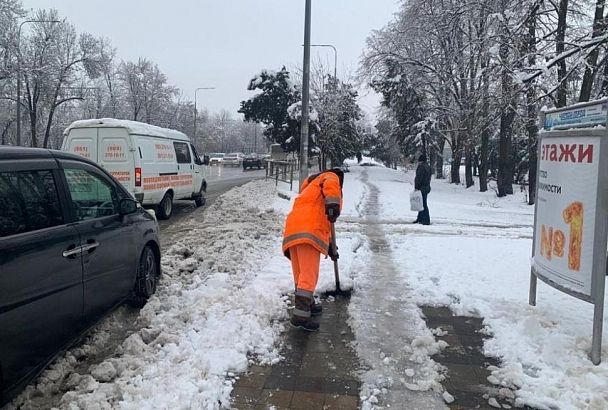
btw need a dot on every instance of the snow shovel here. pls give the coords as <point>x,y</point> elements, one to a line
<point>338,291</point>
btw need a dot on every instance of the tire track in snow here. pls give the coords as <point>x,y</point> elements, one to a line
<point>391,336</point>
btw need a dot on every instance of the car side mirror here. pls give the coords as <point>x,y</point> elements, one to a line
<point>127,206</point>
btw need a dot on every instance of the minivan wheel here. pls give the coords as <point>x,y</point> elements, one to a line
<point>200,200</point>
<point>165,208</point>
<point>146,279</point>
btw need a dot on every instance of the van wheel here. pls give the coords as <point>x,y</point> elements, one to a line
<point>165,208</point>
<point>146,279</point>
<point>200,200</point>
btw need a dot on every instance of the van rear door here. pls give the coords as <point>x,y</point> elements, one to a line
<point>83,142</point>
<point>116,155</point>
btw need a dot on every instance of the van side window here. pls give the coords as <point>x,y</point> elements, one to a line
<point>92,196</point>
<point>28,202</point>
<point>197,159</point>
<point>182,153</point>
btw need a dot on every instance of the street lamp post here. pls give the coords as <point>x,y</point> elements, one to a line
<point>305,97</point>
<point>335,56</point>
<point>195,112</point>
<point>19,72</point>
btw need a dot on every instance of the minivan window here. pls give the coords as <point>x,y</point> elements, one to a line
<point>197,158</point>
<point>92,196</point>
<point>182,153</point>
<point>28,202</point>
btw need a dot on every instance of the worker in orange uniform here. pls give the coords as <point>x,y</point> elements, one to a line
<point>307,236</point>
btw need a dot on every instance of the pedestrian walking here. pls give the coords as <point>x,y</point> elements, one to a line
<point>359,157</point>
<point>307,236</point>
<point>422,183</point>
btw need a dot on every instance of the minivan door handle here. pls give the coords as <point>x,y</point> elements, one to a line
<point>71,252</point>
<point>90,246</point>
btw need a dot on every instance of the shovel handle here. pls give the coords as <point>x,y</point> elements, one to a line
<point>333,244</point>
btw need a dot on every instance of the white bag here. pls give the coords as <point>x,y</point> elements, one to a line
<point>416,201</point>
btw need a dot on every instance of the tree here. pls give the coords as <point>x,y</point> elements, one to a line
<point>591,67</point>
<point>148,92</point>
<point>278,106</point>
<point>54,58</point>
<point>339,135</point>
<point>481,69</point>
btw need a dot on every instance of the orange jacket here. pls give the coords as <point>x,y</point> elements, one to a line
<point>307,222</point>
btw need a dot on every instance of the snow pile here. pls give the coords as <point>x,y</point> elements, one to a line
<point>218,306</point>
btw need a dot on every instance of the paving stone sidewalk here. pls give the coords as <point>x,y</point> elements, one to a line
<point>467,367</point>
<point>318,371</point>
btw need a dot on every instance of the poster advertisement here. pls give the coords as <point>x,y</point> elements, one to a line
<point>565,213</point>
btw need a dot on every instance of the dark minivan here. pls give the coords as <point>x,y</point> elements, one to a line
<point>73,245</point>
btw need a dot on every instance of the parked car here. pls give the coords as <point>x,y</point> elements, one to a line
<point>234,159</point>
<point>252,160</point>
<point>156,165</point>
<point>216,158</point>
<point>74,244</point>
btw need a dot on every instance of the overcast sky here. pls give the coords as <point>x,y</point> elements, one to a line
<point>223,43</point>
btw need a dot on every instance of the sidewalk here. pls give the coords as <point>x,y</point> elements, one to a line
<point>318,371</point>
<point>398,354</point>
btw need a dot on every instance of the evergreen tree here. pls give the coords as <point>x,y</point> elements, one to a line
<point>278,106</point>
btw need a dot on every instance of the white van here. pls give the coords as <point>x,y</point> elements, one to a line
<point>156,165</point>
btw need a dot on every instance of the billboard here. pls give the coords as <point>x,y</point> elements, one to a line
<point>571,213</point>
<point>565,223</point>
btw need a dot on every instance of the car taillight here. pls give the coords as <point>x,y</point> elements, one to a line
<point>137,176</point>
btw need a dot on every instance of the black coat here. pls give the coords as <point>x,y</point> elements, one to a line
<point>422,181</point>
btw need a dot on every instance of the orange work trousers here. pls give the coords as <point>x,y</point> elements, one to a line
<point>305,260</point>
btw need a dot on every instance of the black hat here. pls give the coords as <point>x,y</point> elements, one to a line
<point>422,158</point>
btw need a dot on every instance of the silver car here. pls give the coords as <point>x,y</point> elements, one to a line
<point>234,159</point>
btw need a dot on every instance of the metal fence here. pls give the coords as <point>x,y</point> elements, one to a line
<point>283,171</point>
<point>286,171</point>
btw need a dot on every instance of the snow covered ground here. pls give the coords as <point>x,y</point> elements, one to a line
<point>474,258</point>
<point>221,304</point>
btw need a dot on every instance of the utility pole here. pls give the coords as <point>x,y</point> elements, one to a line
<point>305,97</point>
<point>195,111</point>
<point>19,72</point>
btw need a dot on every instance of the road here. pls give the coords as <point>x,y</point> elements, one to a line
<point>123,322</point>
<point>219,181</point>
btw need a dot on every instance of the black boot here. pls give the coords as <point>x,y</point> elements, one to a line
<point>316,309</point>
<point>304,323</point>
<point>301,314</point>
